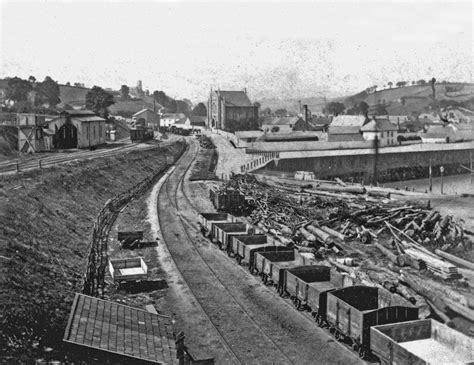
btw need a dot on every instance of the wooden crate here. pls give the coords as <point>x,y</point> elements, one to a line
<point>130,269</point>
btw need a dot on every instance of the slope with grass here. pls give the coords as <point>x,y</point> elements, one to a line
<point>45,225</point>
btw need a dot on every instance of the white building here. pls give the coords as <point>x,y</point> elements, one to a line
<point>381,129</point>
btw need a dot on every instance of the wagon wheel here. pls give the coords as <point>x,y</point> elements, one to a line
<point>220,245</point>
<point>265,279</point>
<point>251,269</point>
<point>362,353</point>
<point>337,335</point>
<point>229,253</point>
<point>355,346</point>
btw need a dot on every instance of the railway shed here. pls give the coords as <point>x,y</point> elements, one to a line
<point>116,333</point>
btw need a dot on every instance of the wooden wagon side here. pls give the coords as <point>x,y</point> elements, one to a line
<point>264,263</point>
<point>221,232</point>
<point>241,245</point>
<point>207,219</point>
<point>259,258</point>
<point>353,310</point>
<point>130,269</point>
<point>389,343</point>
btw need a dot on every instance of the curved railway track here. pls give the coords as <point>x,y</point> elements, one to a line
<point>238,307</point>
<point>11,166</point>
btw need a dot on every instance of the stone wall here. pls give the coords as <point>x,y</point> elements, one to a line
<point>390,166</point>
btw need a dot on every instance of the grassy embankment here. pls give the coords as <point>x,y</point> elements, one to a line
<point>46,221</point>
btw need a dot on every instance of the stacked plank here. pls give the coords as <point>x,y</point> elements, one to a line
<point>434,264</point>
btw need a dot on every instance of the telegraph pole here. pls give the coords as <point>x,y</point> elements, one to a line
<point>431,178</point>
<point>441,169</point>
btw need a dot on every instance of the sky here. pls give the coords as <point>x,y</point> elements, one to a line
<point>274,49</point>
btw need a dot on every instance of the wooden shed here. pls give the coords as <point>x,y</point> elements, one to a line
<point>116,333</point>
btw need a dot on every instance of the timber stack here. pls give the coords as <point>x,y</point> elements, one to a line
<point>369,236</point>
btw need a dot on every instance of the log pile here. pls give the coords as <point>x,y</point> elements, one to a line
<point>327,221</point>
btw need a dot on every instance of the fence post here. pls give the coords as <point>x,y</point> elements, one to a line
<point>39,163</point>
<point>17,166</point>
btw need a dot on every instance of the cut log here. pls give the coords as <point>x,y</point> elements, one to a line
<point>340,182</point>
<point>334,233</point>
<point>307,235</point>
<point>322,235</point>
<point>455,259</point>
<point>396,259</point>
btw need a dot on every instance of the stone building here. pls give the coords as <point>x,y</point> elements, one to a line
<point>225,107</point>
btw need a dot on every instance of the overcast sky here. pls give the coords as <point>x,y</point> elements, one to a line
<point>275,49</point>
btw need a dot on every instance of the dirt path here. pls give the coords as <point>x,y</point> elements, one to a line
<point>244,321</point>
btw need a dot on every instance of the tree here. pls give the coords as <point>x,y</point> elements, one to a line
<point>68,83</point>
<point>363,108</point>
<point>334,108</point>
<point>98,100</point>
<point>267,111</point>
<point>125,92</point>
<point>200,110</point>
<point>147,92</point>
<point>48,92</point>
<point>182,107</point>
<point>401,83</point>
<point>32,79</point>
<point>381,109</point>
<point>421,82</point>
<point>390,84</point>
<point>281,112</point>
<point>18,89</point>
<point>275,129</point>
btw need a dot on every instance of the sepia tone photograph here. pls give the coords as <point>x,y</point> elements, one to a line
<point>235,182</point>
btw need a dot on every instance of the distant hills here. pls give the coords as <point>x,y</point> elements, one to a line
<point>398,100</point>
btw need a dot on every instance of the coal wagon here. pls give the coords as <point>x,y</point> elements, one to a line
<point>140,133</point>
<point>351,311</point>
<point>129,269</point>
<point>222,233</point>
<point>271,264</point>
<point>420,342</point>
<point>205,221</point>
<point>244,247</point>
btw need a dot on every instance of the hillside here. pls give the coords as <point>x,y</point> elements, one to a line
<point>412,99</point>
<point>315,104</point>
<point>45,226</point>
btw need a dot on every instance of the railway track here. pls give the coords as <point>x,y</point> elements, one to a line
<point>239,308</point>
<point>12,166</point>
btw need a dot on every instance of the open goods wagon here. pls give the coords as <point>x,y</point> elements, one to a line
<point>308,286</point>
<point>222,233</point>
<point>271,264</point>
<point>244,247</point>
<point>420,342</point>
<point>351,312</point>
<point>140,133</point>
<point>132,269</point>
<point>206,220</point>
<point>230,200</point>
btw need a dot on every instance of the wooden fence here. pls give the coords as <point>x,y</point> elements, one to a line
<point>97,259</point>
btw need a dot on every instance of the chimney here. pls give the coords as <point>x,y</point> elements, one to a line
<point>245,90</point>
<point>305,114</point>
<point>299,103</point>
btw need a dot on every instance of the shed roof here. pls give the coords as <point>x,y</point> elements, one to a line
<point>92,118</point>
<point>235,98</point>
<point>293,136</point>
<point>181,121</point>
<point>281,121</point>
<point>349,121</point>
<point>120,329</point>
<point>78,112</point>
<point>173,116</point>
<point>336,129</point>
<point>248,134</point>
<point>378,125</point>
<point>197,120</point>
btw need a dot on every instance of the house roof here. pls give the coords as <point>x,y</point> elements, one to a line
<point>352,137</point>
<point>292,136</point>
<point>120,329</point>
<point>173,116</point>
<point>197,120</point>
<point>378,125</point>
<point>143,111</point>
<point>181,121</point>
<point>321,121</point>
<point>336,129</point>
<point>281,121</point>
<point>349,121</point>
<point>235,98</point>
<point>78,112</point>
<point>92,118</point>
<point>248,134</point>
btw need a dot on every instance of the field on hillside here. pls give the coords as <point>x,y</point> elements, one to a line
<point>410,99</point>
<point>45,226</point>
<point>131,106</point>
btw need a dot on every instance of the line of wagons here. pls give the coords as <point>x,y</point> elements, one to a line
<point>373,321</point>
